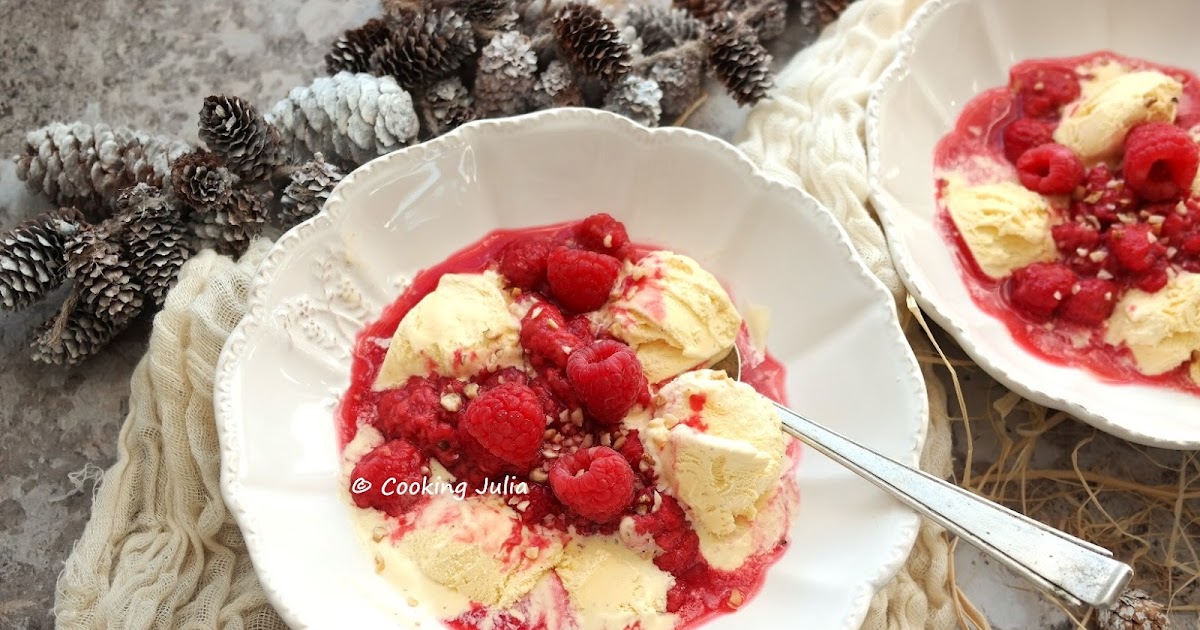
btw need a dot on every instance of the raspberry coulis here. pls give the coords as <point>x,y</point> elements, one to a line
<point>700,592</point>
<point>980,133</point>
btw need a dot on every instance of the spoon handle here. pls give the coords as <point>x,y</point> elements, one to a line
<point>1075,571</point>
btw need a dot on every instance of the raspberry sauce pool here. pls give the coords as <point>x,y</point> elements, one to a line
<point>699,590</point>
<point>1114,232</point>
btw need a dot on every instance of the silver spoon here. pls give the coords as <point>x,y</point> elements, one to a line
<point>1075,571</point>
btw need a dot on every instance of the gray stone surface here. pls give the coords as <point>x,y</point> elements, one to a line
<point>146,65</point>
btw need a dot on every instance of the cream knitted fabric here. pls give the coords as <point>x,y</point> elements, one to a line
<point>811,133</point>
<point>161,550</point>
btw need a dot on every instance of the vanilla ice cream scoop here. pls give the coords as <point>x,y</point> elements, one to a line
<point>480,549</point>
<point>719,447</point>
<point>673,313</point>
<point>612,587</point>
<point>1005,225</point>
<point>462,327</point>
<point>1161,329</point>
<point>1096,126</point>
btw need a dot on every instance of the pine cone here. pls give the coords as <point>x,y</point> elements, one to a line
<point>233,129</point>
<point>681,77</point>
<point>661,28</point>
<point>768,18</point>
<point>707,10</point>
<point>81,337</point>
<point>739,61</point>
<point>429,46</point>
<point>349,118</point>
<point>31,257</point>
<point>637,99</point>
<point>505,75</point>
<point>352,51</point>
<point>307,191</point>
<point>490,14</point>
<point>104,278</point>
<point>556,87</point>
<point>229,229</point>
<point>1134,610</point>
<point>821,13</point>
<point>200,179</point>
<point>155,235</point>
<point>591,42</point>
<point>447,104</point>
<point>87,165</point>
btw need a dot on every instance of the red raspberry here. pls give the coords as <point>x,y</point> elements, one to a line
<point>1190,244</point>
<point>1152,279</point>
<point>508,421</point>
<point>477,463</point>
<point>1090,302</point>
<point>414,412</point>
<point>1039,288</point>
<point>633,449</point>
<point>1050,169</point>
<point>546,337</point>
<point>597,483</point>
<point>1044,90</point>
<point>671,532</point>
<point>1024,134</point>
<point>608,378</point>
<point>542,502</point>
<point>1160,161</point>
<point>1135,246</point>
<point>1072,236</point>
<point>1102,198</point>
<point>581,280</point>
<point>523,262</point>
<point>374,481</point>
<point>1176,224</point>
<point>602,233</point>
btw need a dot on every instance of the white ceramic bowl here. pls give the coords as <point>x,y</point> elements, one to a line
<point>950,52</point>
<point>833,326</point>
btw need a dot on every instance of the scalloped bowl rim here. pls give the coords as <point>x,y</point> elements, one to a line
<point>229,420</point>
<point>887,208</point>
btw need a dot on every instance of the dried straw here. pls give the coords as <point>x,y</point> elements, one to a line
<point>1141,503</point>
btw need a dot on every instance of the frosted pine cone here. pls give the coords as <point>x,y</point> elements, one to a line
<point>447,105</point>
<point>556,87</point>
<point>155,236</point>
<point>349,118</point>
<point>352,51</point>
<point>307,191</point>
<point>31,257</point>
<point>233,129</point>
<point>820,13</point>
<point>87,165</point>
<point>739,61</point>
<point>103,275</point>
<point>636,98</point>
<point>200,179</point>
<point>681,77</point>
<point>82,335</point>
<point>1134,611</point>
<point>427,47</point>
<point>229,229</point>
<point>591,42</point>
<point>661,28</point>
<point>505,75</point>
